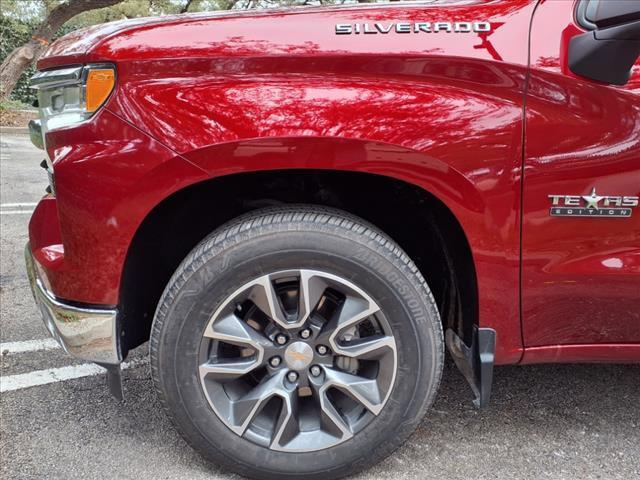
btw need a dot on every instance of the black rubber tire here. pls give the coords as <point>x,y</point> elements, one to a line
<point>277,239</point>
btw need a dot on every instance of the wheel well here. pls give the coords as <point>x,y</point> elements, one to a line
<point>421,224</point>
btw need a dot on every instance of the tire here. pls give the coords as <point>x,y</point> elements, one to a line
<point>351,263</point>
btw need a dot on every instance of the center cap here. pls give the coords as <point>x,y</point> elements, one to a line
<point>298,355</point>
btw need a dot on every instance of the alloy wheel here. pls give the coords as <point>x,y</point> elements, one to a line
<point>297,360</point>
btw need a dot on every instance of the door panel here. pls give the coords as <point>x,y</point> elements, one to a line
<point>581,275</point>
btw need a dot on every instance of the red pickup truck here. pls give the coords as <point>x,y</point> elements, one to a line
<point>299,209</point>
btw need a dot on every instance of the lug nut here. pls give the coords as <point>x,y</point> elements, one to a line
<point>306,333</point>
<point>322,350</point>
<point>281,339</point>
<point>275,362</point>
<point>315,370</point>
<point>292,376</point>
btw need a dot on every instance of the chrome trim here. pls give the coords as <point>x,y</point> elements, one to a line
<point>52,180</point>
<point>54,82</point>
<point>86,333</point>
<point>35,133</point>
<point>57,77</point>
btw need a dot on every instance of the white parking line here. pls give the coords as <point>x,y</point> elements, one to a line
<point>53,375</point>
<point>28,346</point>
<point>16,212</point>
<point>20,208</point>
<point>16,205</point>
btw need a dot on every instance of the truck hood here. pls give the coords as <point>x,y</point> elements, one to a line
<point>237,33</point>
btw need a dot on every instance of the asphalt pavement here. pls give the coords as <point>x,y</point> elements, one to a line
<point>544,422</point>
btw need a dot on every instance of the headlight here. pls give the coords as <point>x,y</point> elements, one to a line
<point>67,96</point>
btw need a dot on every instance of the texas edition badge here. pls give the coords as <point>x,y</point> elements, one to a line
<point>593,205</point>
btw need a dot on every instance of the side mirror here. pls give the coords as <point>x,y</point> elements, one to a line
<point>609,50</point>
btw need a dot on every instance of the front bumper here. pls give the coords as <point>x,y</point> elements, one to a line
<point>86,333</point>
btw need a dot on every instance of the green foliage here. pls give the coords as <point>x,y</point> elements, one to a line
<point>25,10</point>
<point>14,33</point>
<point>8,105</point>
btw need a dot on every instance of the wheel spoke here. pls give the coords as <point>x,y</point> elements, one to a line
<point>264,297</point>
<point>367,348</point>
<point>363,390</point>
<point>287,426</point>
<point>227,370</point>
<point>330,419</point>
<point>353,311</point>
<point>312,288</point>
<point>245,409</point>
<point>234,330</point>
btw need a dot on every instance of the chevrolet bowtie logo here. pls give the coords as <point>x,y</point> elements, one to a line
<point>299,356</point>
<point>592,205</point>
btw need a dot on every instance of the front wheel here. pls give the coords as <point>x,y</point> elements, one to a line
<point>296,342</point>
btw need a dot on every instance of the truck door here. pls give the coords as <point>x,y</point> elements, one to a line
<point>581,219</point>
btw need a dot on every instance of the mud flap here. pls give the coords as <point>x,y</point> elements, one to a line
<point>114,381</point>
<point>475,362</point>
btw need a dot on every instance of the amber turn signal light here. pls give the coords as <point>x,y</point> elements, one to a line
<point>99,85</point>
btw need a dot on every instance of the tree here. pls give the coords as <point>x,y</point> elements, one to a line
<point>21,57</point>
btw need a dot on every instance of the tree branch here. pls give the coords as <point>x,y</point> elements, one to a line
<point>65,12</point>
<point>185,9</point>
